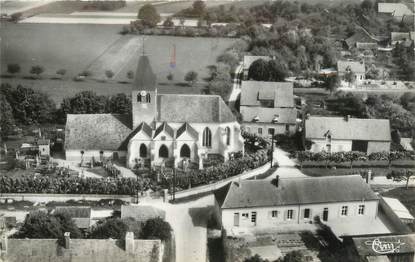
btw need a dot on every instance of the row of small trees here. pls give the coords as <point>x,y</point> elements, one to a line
<point>352,156</point>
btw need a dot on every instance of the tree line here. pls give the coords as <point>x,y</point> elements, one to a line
<point>25,106</point>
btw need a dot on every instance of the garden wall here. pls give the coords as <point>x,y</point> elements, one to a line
<point>393,219</point>
<point>60,197</point>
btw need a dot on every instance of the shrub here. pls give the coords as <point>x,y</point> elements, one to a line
<point>156,228</point>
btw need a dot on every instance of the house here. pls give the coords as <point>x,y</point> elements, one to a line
<point>336,134</point>
<point>141,213</point>
<point>399,209</point>
<point>248,60</point>
<point>81,215</point>
<point>164,129</point>
<point>351,73</point>
<point>407,38</point>
<point>268,107</point>
<point>80,250</point>
<point>290,201</point>
<point>361,38</point>
<point>383,248</point>
<point>398,10</point>
<point>44,147</point>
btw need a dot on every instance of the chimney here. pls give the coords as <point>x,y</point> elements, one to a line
<point>3,244</point>
<point>368,176</point>
<point>129,243</point>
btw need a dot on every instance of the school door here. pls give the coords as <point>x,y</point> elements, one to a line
<point>236,219</point>
<point>325,214</point>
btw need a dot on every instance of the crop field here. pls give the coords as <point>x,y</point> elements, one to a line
<point>100,47</point>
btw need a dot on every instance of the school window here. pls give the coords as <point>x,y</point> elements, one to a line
<point>361,210</point>
<point>253,217</point>
<point>274,213</point>
<point>307,213</point>
<point>287,128</point>
<point>290,214</point>
<point>245,215</point>
<point>260,130</point>
<point>344,210</point>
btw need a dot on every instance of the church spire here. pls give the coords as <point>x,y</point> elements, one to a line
<point>145,79</point>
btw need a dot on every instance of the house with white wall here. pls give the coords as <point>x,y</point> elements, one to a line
<point>268,108</point>
<point>337,134</point>
<point>273,204</point>
<point>351,73</point>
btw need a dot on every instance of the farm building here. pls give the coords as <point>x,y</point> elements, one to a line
<point>398,10</point>
<point>399,209</point>
<point>337,134</point>
<point>361,37</point>
<point>355,69</point>
<point>264,203</point>
<point>81,215</point>
<point>164,129</point>
<point>268,107</point>
<point>407,38</point>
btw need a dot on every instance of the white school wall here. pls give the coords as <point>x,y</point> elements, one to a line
<point>264,218</point>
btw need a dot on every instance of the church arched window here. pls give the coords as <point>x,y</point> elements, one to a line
<point>207,137</point>
<point>148,98</point>
<point>228,135</point>
<point>185,151</point>
<point>163,151</point>
<point>143,151</point>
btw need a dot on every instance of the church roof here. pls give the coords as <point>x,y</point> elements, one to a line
<point>193,109</point>
<point>97,131</point>
<point>145,79</point>
<point>164,127</point>
<point>187,128</point>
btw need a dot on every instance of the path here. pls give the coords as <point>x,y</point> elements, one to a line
<point>236,87</point>
<point>286,165</point>
<point>188,221</point>
<point>75,167</point>
<point>125,172</point>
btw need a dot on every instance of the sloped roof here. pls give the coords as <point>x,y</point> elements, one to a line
<point>266,115</point>
<point>249,59</point>
<point>164,127</point>
<point>97,131</point>
<point>397,9</point>
<point>44,142</point>
<point>145,79</point>
<point>353,129</point>
<point>75,211</point>
<point>193,109</point>
<point>295,191</point>
<point>92,250</point>
<point>280,92</point>
<point>141,213</point>
<point>361,36</point>
<point>354,66</point>
<point>400,210</point>
<point>187,128</point>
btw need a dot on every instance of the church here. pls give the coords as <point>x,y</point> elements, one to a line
<point>163,129</point>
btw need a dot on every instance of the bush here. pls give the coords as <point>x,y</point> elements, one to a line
<point>156,228</point>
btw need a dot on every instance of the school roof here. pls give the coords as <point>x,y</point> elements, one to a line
<point>398,208</point>
<point>279,92</point>
<point>354,66</point>
<point>398,244</point>
<point>268,115</point>
<point>296,191</point>
<point>92,250</point>
<point>193,109</point>
<point>352,129</point>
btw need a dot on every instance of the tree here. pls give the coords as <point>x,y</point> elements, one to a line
<point>199,8</point>
<point>277,72</point>
<point>220,82</point>
<point>258,70</point>
<point>191,77</point>
<point>109,74</point>
<point>331,83</point>
<point>367,5</point>
<point>6,117</point>
<point>149,15</point>
<point>13,68</point>
<point>120,104</point>
<point>350,77</point>
<point>114,228</point>
<point>130,75</point>
<point>168,22</point>
<point>156,228</point>
<point>86,102</point>
<point>61,72</point>
<point>293,256</point>
<point>86,73</point>
<point>42,225</point>
<point>170,76</point>
<point>255,258</point>
<point>403,175</point>
<point>37,70</point>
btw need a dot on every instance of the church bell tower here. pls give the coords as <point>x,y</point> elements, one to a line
<point>144,94</point>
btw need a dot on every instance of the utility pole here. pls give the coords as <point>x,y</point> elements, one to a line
<point>174,183</point>
<point>272,146</point>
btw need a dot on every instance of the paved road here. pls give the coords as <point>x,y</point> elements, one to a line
<point>286,167</point>
<point>188,221</point>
